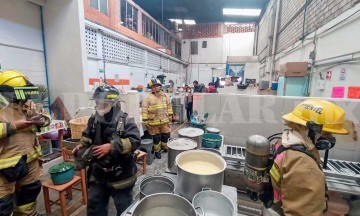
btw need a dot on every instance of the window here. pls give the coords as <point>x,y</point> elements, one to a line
<point>194,47</point>
<point>204,44</point>
<point>155,32</point>
<point>129,16</point>
<point>100,5</point>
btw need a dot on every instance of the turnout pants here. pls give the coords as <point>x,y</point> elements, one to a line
<point>99,195</point>
<point>18,198</point>
<point>161,135</point>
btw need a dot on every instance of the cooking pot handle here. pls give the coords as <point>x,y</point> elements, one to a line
<point>201,209</point>
<point>206,189</point>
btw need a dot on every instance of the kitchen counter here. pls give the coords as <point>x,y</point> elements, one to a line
<point>228,191</point>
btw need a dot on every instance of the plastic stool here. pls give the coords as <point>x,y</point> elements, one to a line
<point>147,145</point>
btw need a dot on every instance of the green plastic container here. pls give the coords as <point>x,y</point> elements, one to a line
<point>210,140</point>
<point>62,173</point>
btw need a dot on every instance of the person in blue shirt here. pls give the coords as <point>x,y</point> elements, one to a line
<point>197,87</point>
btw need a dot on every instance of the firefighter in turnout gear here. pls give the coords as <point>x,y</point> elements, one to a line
<point>298,182</point>
<point>157,114</point>
<point>20,151</point>
<point>111,139</point>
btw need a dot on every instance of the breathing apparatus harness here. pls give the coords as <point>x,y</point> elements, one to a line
<point>323,143</point>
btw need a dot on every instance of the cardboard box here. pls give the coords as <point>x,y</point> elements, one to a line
<point>294,69</point>
<point>46,146</point>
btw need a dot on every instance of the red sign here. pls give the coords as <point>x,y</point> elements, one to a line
<point>354,92</point>
<point>328,75</point>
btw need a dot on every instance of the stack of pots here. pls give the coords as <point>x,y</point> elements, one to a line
<point>192,133</point>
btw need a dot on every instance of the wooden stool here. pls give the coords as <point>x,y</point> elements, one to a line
<point>65,190</point>
<point>141,156</point>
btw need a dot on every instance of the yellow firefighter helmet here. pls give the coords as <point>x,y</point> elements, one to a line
<point>322,112</point>
<point>13,78</point>
<point>154,82</point>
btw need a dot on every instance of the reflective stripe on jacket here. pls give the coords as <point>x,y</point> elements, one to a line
<point>16,143</point>
<point>156,109</point>
<point>299,184</point>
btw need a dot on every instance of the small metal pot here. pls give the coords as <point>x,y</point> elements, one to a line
<point>213,203</point>
<point>191,182</point>
<point>212,130</point>
<point>175,147</point>
<point>163,204</point>
<point>192,133</point>
<point>156,184</point>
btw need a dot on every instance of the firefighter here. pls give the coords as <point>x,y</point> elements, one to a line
<point>112,138</point>
<point>157,114</point>
<point>20,151</point>
<point>297,178</point>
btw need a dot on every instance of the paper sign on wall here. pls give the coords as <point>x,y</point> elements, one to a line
<point>328,75</point>
<point>338,92</point>
<point>354,92</point>
<point>320,84</point>
<point>342,74</point>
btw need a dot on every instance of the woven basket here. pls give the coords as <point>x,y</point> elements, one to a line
<point>77,126</point>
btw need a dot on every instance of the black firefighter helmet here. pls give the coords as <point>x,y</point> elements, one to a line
<point>106,92</point>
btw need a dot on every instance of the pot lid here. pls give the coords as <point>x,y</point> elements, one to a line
<point>212,129</point>
<point>191,132</point>
<point>62,167</point>
<point>182,144</point>
<point>146,141</point>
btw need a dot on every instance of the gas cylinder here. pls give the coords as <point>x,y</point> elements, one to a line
<point>256,164</point>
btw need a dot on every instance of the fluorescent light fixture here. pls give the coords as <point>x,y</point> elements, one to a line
<point>178,21</point>
<point>230,23</point>
<point>241,12</point>
<point>187,22</point>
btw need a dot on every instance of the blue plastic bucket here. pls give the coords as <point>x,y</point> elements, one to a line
<point>274,85</point>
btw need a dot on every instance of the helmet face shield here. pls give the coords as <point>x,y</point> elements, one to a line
<point>3,102</point>
<point>103,104</point>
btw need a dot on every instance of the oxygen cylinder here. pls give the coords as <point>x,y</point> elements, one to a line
<point>256,164</point>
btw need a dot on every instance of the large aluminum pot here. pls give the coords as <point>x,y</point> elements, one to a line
<point>156,184</point>
<point>198,169</point>
<point>175,147</point>
<point>163,204</point>
<point>192,133</point>
<point>213,203</point>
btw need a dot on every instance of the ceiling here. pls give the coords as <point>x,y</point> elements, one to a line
<point>202,11</point>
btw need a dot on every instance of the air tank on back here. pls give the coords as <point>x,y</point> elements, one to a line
<point>256,164</point>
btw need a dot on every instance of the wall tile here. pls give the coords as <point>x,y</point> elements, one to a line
<point>234,106</point>
<point>343,154</point>
<point>356,156</point>
<point>268,108</point>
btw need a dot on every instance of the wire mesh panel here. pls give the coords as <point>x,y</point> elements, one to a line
<point>115,49</point>
<point>164,63</point>
<point>175,67</point>
<point>137,55</point>
<point>153,60</point>
<point>91,42</point>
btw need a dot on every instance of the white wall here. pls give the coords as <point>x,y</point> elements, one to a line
<point>65,43</point>
<point>340,40</point>
<point>240,116</point>
<point>207,62</point>
<point>136,75</point>
<point>21,45</point>
<point>239,44</point>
